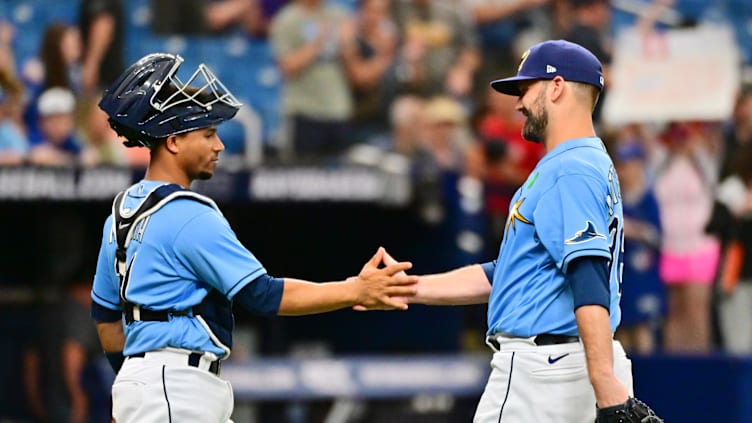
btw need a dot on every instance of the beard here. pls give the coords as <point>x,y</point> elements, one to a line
<point>207,172</point>
<point>535,125</point>
<point>202,176</point>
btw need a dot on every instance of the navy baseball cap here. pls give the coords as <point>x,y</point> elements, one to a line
<point>550,58</point>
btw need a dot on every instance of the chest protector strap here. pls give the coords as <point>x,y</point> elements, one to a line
<point>125,222</point>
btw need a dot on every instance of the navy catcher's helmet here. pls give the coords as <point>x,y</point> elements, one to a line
<point>148,102</point>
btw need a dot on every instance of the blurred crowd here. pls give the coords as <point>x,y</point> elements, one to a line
<point>406,82</point>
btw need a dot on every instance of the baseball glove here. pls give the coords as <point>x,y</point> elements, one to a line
<point>631,411</point>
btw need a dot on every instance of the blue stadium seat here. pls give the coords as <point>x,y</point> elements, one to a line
<point>693,9</point>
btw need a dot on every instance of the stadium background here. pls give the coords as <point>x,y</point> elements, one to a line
<point>320,236</point>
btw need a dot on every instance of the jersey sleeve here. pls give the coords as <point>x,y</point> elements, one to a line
<point>208,246</point>
<point>105,290</point>
<point>571,219</point>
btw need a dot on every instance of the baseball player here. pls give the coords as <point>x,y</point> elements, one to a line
<point>170,267</point>
<point>553,292</point>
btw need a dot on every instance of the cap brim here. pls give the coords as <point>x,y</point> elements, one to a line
<point>510,86</point>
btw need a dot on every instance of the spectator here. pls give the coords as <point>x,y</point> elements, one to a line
<point>62,376</point>
<point>220,15</point>
<point>103,146</point>
<point>59,146</point>
<point>402,148</point>
<point>649,138</point>
<point>101,24</point>
<point>498,23</point>
<point>561,15</point>
<point>733,221</point>
<point>490,162</point>
<point>498,119</point>
<point>406,117</point>
<point>591,21</point>
<point>445,133</point>
<point>316,96</point>
<point>14,143</point>
<point>253,16</point>
<point>57,65</point>
<point>369,50</point>
<point>60,55</point>
<point>7,59</point>
<point>184,17</point>
<point>591,26</point>
<point>689,257</point>
<point>643,294</point>
<point>738,132</point>
<point>439,52</point>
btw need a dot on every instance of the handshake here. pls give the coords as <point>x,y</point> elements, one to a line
<point>383,288</point>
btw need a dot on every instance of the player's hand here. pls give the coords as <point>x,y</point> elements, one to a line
<point>388,260</point>
<point>381,288</point>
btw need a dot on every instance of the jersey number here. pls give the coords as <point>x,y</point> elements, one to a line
<point>615,231</point>
<point>616,247</point>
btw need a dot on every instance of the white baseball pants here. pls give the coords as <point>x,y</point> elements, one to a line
<point>534,384</point>
<point>162,388</point>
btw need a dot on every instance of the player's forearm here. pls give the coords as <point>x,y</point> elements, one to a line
<point>466,285</point>
<point>302,297</point>
<point>595,332</point>
<point>111,336</point>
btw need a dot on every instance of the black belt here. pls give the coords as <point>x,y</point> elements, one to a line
<point>552,339</point>
<point>146,315</point>
<point>540,340</point>
<point>193,360</point>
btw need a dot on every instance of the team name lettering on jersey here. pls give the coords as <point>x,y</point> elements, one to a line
<point>138,234</point>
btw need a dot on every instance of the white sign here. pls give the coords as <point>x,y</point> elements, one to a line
<point>681,74</point>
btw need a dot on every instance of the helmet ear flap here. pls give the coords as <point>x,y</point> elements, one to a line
<point>132,138</point>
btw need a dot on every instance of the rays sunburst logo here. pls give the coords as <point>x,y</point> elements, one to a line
<point>515,216</point>
<point>522,59</point>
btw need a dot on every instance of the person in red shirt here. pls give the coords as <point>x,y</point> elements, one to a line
<point>500,121</point>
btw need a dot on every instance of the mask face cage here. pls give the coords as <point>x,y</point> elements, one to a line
<point>203,88</point>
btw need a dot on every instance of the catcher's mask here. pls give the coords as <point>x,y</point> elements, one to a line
<point>148,102</point>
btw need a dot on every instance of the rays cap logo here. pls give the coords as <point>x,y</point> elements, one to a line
<point>553,58</point>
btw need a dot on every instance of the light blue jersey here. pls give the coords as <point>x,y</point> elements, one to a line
<point>12,139</point>
<point>569,207</point>
<point>178,254</point>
